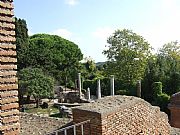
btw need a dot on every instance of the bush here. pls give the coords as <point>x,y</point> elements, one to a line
<point>122,92</point>
<point>157,88</point>
<point>34,82</point>
<point>90,84</point>
<point>160,99</point>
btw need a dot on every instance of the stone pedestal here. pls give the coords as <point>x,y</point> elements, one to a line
<point>98,89</point>
<point>174,107</point>
<point>88,94</point>
<point>79,85</point>
<point>139,88</point>
<point>112,85</point>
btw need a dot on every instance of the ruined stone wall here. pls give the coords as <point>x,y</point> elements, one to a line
<point>121,115</point>
<point>174,107</point>
<point>9,119</point>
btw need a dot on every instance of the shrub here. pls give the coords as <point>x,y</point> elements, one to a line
<point>34,82</point>
<point>161,99</point>
<point>157,88</point>
<point>122,92</point>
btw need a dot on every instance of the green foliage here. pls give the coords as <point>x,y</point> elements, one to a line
<point>32,81</point>
<point>88,69</point>
<point>157,88</point>
<point>123,92</point>
<point>128,53</point>
<point>21,42</point>
<point>90,84</point>
<point>120,88</point>
<point>169,57</point>
<point>161,99</point>
<point>55,55</point>
<point>163,67</point>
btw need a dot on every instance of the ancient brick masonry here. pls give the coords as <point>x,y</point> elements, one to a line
<point>122,115</point>
<point>9,114</point>
<point>174,107</point>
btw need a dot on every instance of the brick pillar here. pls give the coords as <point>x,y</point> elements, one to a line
<point>9,113</point>
<point>174,107</point>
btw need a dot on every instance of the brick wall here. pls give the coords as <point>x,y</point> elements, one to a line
<point>122,115</point>
<point>174,107</point>
<point>9,114</point>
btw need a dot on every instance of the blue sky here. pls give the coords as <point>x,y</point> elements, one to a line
<point>88,23</point>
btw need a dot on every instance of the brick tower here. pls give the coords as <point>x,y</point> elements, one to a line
<point>9,113</point>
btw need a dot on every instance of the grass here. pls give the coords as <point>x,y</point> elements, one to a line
<point>50,111</point>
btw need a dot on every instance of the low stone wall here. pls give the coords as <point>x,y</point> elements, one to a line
<point>122,115</point>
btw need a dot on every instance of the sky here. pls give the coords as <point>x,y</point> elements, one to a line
<point>89,23</point>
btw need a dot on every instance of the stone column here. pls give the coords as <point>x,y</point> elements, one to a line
<point>139,88</point>
<point>112,85</point>
<point>88,94</point>
<point>79,85</point>
<point>98,89</point>
<point>9,113</point>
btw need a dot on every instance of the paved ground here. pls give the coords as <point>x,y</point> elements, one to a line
<point>37,125</point>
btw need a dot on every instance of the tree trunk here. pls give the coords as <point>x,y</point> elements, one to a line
<point>28,98</point>
<point>37,103</point>
<point>20,99</point>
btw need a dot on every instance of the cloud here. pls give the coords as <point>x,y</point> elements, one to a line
<point>166,28</point>
<point>62,33</point>
<point>71,2</point>
<point>30,33</point>
<point>66,34</point>
<point>103,33</point>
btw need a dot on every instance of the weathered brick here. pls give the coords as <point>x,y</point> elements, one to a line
<point>10,119</point>
<point>8,53</point>
<point>8,100</point>
<point>12,132</point>
<point>9,127</point>
<point>8,67</point>
<point>8,59</point>
<point>8,93</point>
<point>7,39</point>
<point>6,19</point>
<point>8,73</point>
<point>8,86</point>
<point>7,25</point>
<point>6,12</point>
<point>9,113</point>
<point>122,115</point>
<point>8,80</point>
<point>174,107</point>
<point>6,5</point>
<point>9,106</point>
<point>7,33</point>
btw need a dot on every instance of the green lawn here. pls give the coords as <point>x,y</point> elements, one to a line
<point>50,111</point>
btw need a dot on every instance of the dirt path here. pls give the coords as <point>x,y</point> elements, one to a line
<point>36,125</point>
